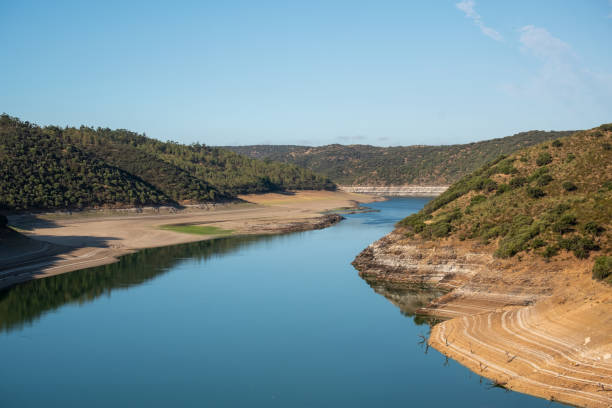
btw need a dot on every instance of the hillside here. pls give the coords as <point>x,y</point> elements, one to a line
<point>403,165</point>
<point>230,173</point>
<point>546,199</point>
<point>522,248</point>
<point>38,169</point>
<point>51,168</point>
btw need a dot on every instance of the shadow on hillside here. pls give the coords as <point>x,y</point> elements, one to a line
<point>23,258</point>
<point>284,192</point>
<point>30,222</point>
<point>75,241</point>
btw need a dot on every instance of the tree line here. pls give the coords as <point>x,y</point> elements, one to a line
<point>56,168</point>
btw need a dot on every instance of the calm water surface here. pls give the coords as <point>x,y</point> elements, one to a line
<point>279,321</point>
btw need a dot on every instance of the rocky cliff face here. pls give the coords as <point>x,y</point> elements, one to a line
<point>469,275</point>
<point>398,260</point>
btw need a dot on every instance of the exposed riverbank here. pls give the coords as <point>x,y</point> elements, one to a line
<point>57,243</point>
<point>548,333</point>
<point>397,191</point>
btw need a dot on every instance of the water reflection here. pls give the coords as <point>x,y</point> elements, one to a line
<point>27,302</point>
<point>407,297</point>
<point>247,321</point>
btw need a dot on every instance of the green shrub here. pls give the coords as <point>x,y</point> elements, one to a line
<point>581,253</point>
<point>513,244</point>
<point>440,229</point>
<point>569,186</point>
<point>603,267</point>
<point>593,228</point>
<point>607,185</point>
<point>538,173</point>
<point>478,199</point>
<point>414,222</point>
<point>426,233</point>
<point>543,159</point>
<point>505,167</point>
<point>580,246</point>
<point>520,221</point>
<point>538,243</point>
<point>607,146</point>
<point>490,232</point>
<point>559,209</point>
<point>550,251</point>
<point>542,225</point>
<point>557,143</point>
<point>509,248</point>
<point>517,182</point>
<point>522,230</point>
<point>544,180</point>
<point>503,188</point>
<point>535,192</point>
<point>570,157</point>
<point>452,215</point>
<point>485,184</point>
<point>565,224</point>
<point>606,127</point>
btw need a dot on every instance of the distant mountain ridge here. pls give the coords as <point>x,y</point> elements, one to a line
<point>395,166</point>
<point>57,168</point>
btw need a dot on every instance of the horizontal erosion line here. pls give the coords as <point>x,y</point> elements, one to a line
<point>396,190</point>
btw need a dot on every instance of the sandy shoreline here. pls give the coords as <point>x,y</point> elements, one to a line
<point>60,243</point>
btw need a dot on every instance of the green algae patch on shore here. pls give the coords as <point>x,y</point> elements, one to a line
<point>197,229</point>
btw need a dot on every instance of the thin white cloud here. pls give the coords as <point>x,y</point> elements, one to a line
<point>467,6</point>
<point>561,75</point>
<point>539,42</point>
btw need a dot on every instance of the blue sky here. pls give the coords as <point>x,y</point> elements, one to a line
<point>309,72</point>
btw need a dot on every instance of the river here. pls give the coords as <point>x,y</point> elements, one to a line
<point>274,321</point>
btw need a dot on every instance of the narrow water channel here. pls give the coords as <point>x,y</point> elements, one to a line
<point>282,321</point>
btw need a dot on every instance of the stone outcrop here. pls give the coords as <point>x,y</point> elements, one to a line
<point>469,276</point>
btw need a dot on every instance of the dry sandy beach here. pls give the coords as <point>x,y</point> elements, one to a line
<point>59,243</point>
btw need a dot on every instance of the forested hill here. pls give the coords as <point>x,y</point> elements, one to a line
<point>403,165</point>
<point>53,168</point>
<point>543,201</point>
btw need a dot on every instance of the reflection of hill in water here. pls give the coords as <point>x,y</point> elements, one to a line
<point>26,302</point>
<point>407,297</point>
